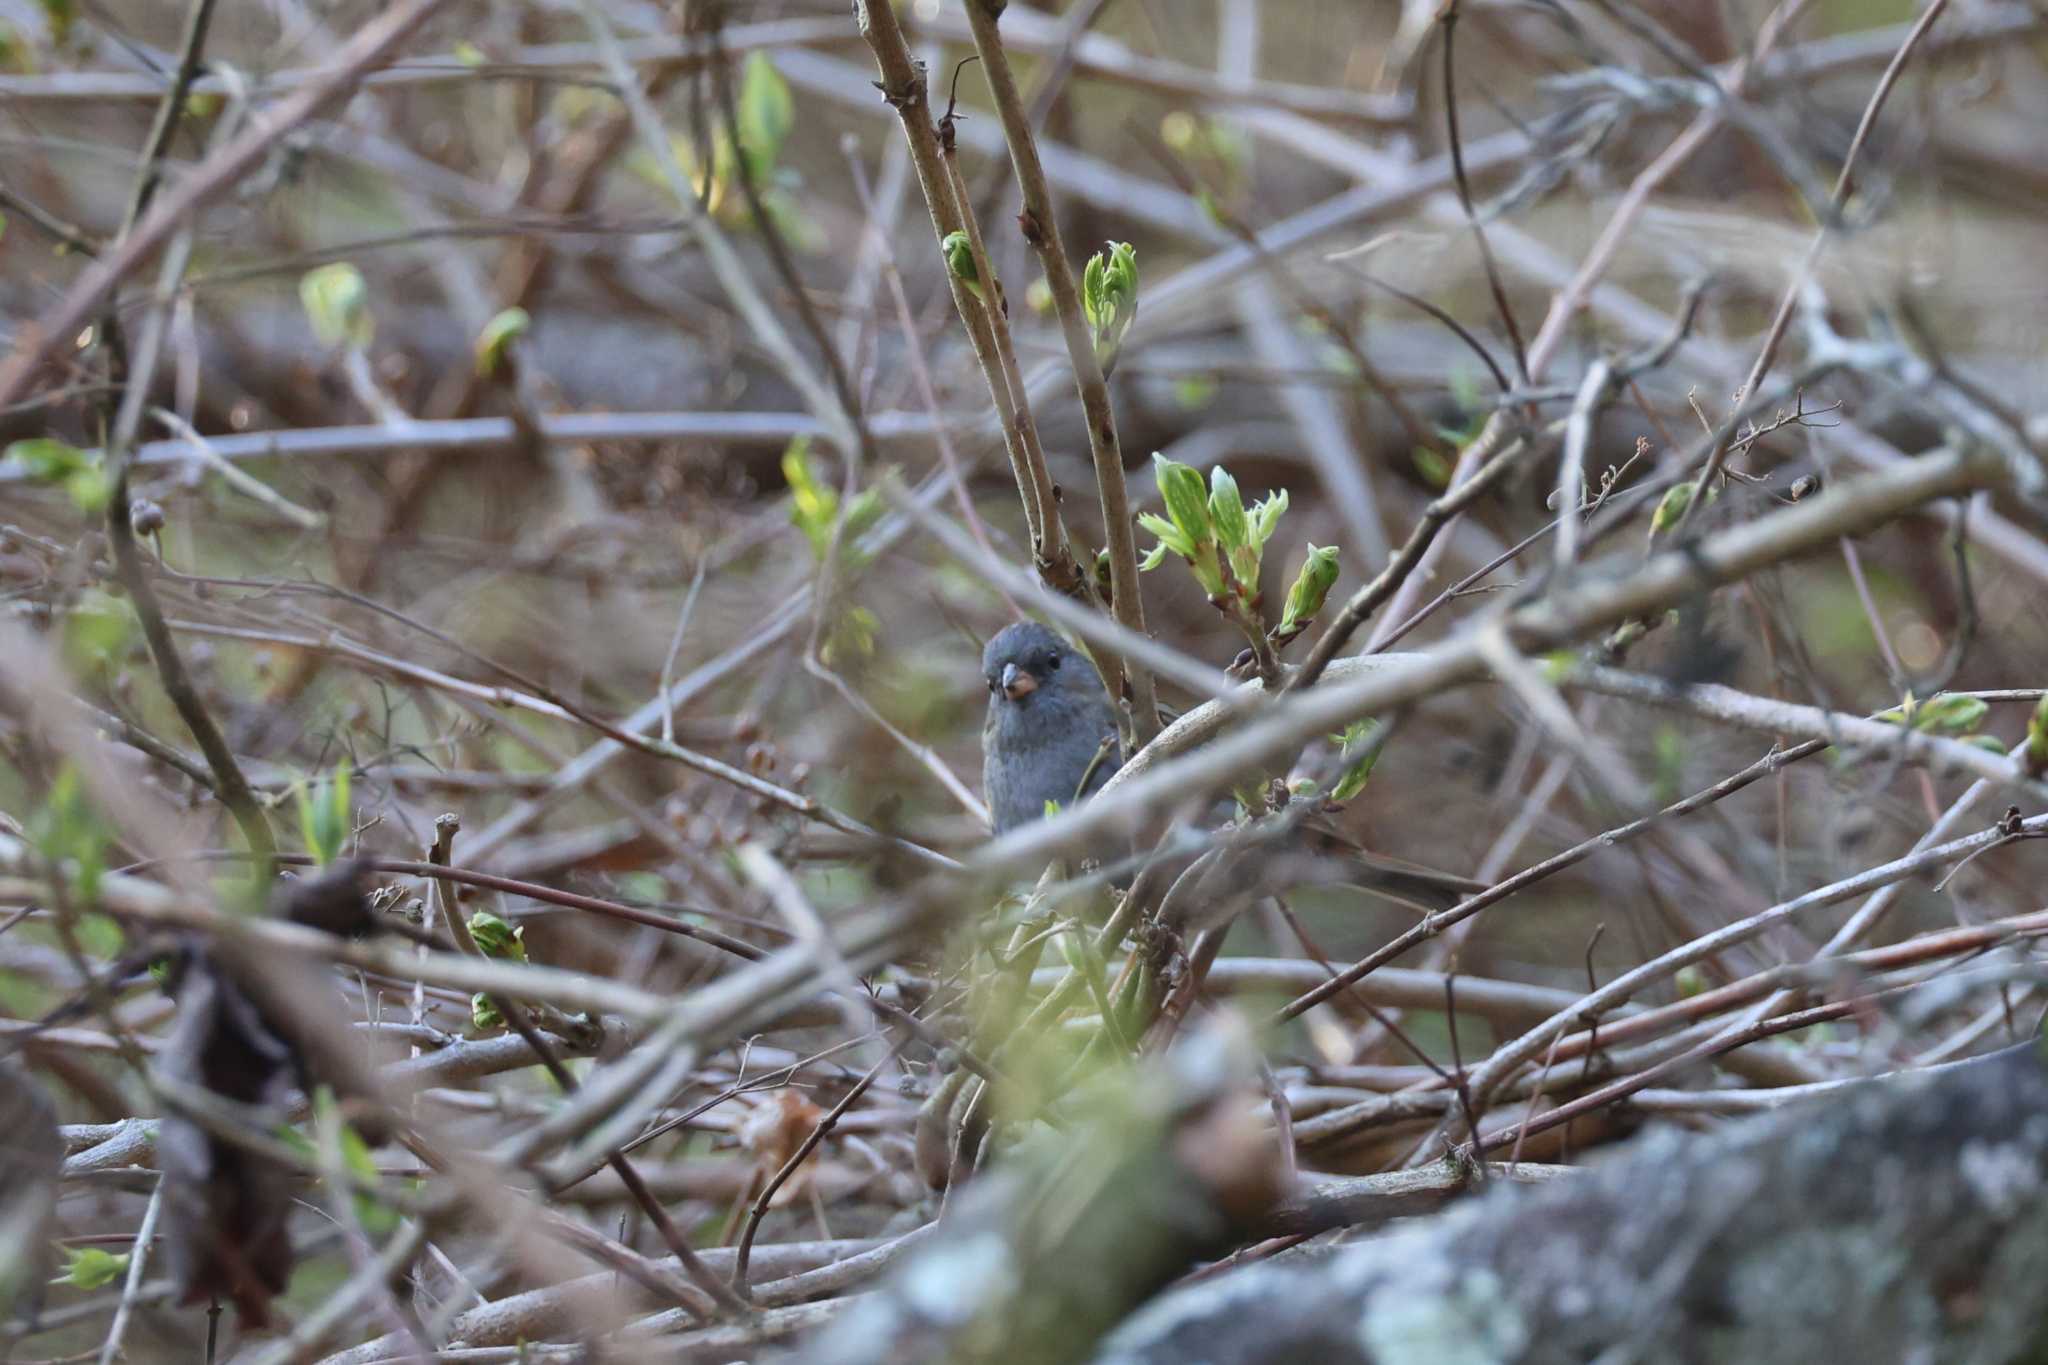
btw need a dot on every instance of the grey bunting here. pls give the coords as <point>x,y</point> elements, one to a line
<point>1050,735</point>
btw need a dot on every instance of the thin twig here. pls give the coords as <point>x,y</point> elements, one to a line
<point>903,86</point>
<point>1449,22</point>
<point>228,779</point>
<point>1768,352</point>
<point>131,1285</point>
<point>797,1158</point>
<point>1040,225</point>
<point>372,45</point>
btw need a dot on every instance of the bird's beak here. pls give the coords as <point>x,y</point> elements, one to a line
<point>1017,684</point>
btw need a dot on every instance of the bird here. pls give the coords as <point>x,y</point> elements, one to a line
<point>1051,737</point>
<point>1051,733</point>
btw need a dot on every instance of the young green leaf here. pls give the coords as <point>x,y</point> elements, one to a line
<point>1957,715</point>
<point>483,1015</point>
<point>1170,539</point>
<point>813,507</point>
<point>495,341</point>
<point>1903,713</point>
<point>378,1219</point>
<point>959,252</point>
<point>89,490</point>
<point>1671,507</point>
<point>1192,537</point>
<point>2037,739</point>
<point>1226,510</point>
<point>1187,501</point>
<point>1434,468</point>
<point>852,637</point>
<point>1361,744</point>
<point>864,511</point>
<point>1266,514</point>
<point>91,1268</point>
<point>337,304</point>
<point>1109,297</point>
<point>709,183</point>
<point>325,818</point>
<point>766,113</point>
<point>1195,391</point>
<point>498,937</point>
<point>101,936</point>
<point>97,631</point>
<point>1311,589</point>
<point>340,811</point>
<point>67,832</point>
<point>46,459</point>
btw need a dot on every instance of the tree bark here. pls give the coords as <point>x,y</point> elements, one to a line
<point>1904,1220</point>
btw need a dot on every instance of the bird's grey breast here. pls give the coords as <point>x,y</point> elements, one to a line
<point>1041,751</point>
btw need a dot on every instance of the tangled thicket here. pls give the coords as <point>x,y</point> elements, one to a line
<point>500,511</point>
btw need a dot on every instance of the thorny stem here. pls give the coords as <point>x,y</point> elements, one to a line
<point>516,1017</point>
<point>1782,319</point>
<point>1457,149</point>
<point>371,46</point>
<point>1049,546</point>
<point>228,779</point>
<point>1040,224</point>
<point>1528,876</point>
<point>778,250</point>
<point>1373,595</point>
<point>803,1151</point>
<point>904,87</point>
<point>1440,513</point>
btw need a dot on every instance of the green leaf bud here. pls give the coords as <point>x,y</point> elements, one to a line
<point>960,263</point>
<point>766,111</point>
<point>1187,501</point>
<point>1266,516</point>
<point>1958,715</point>
<point>1109,296</point>
<point>1311,589</point>
<point>495,341</point>
<point>337,304</point>
<point>1671,507</point>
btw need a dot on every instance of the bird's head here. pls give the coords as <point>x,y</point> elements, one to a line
<point>1026,659</point>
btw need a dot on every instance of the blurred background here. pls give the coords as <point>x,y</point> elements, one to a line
<point>599,507</point>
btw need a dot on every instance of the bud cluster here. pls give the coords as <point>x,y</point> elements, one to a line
<point>1224,543</point>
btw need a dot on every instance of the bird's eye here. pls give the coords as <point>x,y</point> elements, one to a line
<point>1052,663</point>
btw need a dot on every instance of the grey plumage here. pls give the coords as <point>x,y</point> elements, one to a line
<point>1048,719</point>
